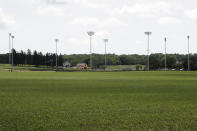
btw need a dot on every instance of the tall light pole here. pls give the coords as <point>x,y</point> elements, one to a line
<point>12,50</point>
<point>148,48</point>
<point>91,33</point>
<point>188,38</point>
<point>106,40</point>
<point>165,40</point>
<point>10,35</point>
<point>56,41</point>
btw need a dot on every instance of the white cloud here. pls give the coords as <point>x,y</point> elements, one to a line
<point>50,10</point>
<point>139,42</point>
<point>60,2</point>
<point>90,3</point>
<point>84,3</point>
<point>78,41</point>
<point>5,20</point>
<point>150,9</point>
<point>95,22</point>
<point>102,33</point>
<point>169,20</point>
<point>192,14</point>
<point>137,15</point>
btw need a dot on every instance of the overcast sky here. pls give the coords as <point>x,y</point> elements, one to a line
<point>36,23</point>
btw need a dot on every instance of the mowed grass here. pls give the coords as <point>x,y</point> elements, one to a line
<point>7,67</point>
<point>47,101</point>
<point>120,67</point>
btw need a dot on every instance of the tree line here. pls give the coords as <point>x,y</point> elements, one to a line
<point>157,61</point>
<point>32,58</point>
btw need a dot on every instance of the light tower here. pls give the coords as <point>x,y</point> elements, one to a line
<point>106,40</point>
<point>56,41</point>
<point>165,40</point>
<point>188,38</point>
<point>12,50</point>
<point>10,36</point>
<point>91,33</point>
<point>148,50</point>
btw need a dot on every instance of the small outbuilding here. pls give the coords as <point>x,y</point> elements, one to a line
<point>66,64</point>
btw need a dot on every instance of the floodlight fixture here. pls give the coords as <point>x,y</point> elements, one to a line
<point>165,39</point>
<point>56,40</point>
<point>148,33</point>
<point>106,40</point>
<point>90,33</point>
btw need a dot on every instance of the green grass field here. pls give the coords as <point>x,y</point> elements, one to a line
<point>50,101</point>
<point>7,67</point>
<point>121,67</point>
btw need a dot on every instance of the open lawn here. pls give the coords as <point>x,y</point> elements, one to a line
<point>121,67</point>
<point>7,67</point>
<point>47,101</point>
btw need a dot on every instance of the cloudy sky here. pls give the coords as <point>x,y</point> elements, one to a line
<point>36,23</point>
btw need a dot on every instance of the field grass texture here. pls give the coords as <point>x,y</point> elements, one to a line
<point>36,101</point>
